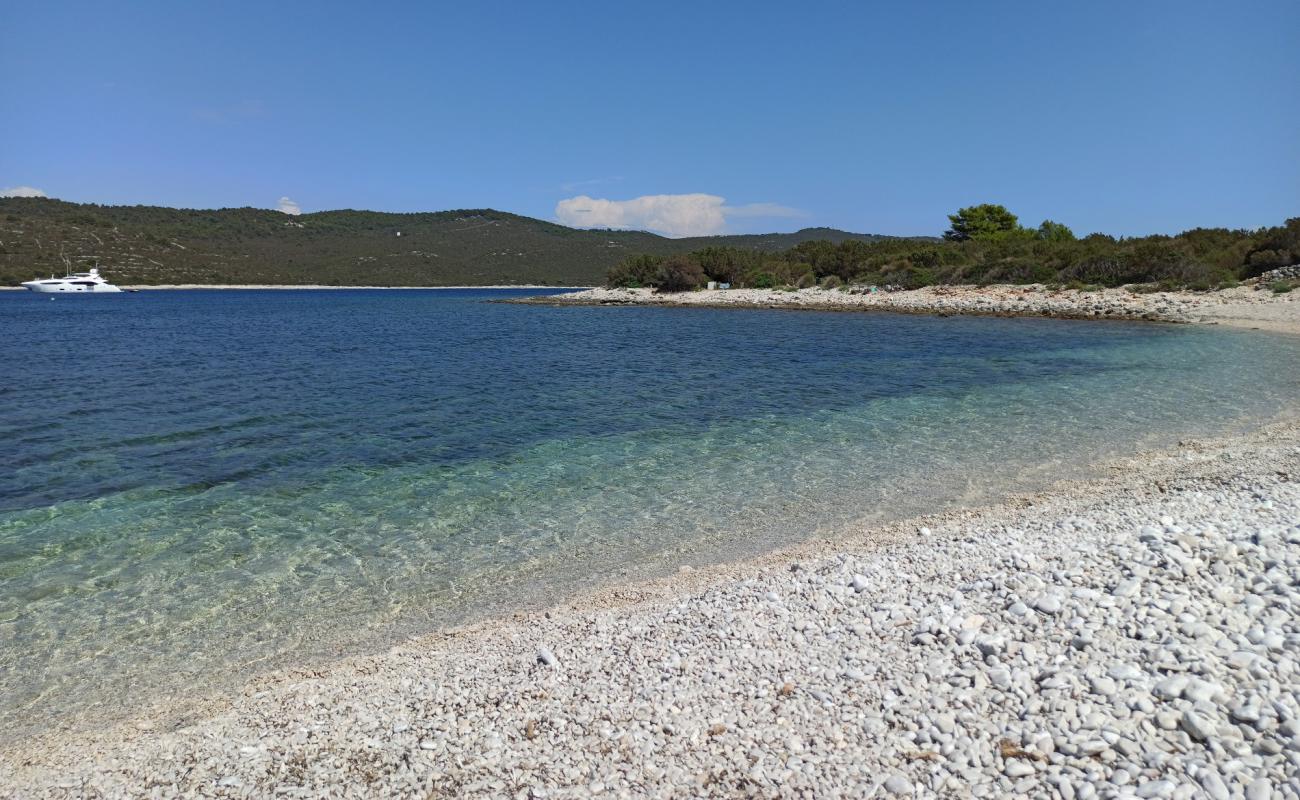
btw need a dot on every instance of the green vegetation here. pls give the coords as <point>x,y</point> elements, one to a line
<point>986,244</point>
<point>985,223</point>
<point>151,245</point>
<point>678,273</point>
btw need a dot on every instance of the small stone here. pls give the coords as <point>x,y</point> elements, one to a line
<point>1197,726</point>
<point>1247,714</point>
<point>1048,604</point>
<point>990,645</point>
<point>1000,677</point>
<point>545,656</point>
<point>1094,747</point>
<point>1214,787</point>
<point>1199,691</point>
<point>1018,768</point>
<point>1170,688</point>
<point>1127,588</point>
<point>1160,788</point>
<point>1126,672</point>
<point>1241,659</point>
<point>897,784</point>
<point>1259,789</point>
<point>1167,720</point>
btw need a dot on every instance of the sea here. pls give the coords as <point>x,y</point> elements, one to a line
<point>200,486</point>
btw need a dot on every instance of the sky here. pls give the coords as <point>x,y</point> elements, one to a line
<point>684,118</point>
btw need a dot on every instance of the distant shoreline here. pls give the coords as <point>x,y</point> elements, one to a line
<point>1242,307</point>
<point>226,286</point>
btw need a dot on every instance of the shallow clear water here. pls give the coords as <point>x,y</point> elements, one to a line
<point>197,485</point>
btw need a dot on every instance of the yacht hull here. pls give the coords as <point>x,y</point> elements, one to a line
<point>59,288</point>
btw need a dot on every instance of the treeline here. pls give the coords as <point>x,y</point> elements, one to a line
<point>984,245</point>
<point>155,245</point>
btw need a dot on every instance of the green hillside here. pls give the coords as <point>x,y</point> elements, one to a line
<point>153,245</point>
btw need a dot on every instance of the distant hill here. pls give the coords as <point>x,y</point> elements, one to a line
<point>154,245</point>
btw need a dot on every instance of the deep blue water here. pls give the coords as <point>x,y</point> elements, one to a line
<point>180,392</point>
<point>193,481</point>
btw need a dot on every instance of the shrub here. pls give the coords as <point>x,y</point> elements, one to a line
<point>987,245</point>
<point>914,278</point>
<point>634,271</point>
<point>1054,232</point>
<point>679,274</point>
<point>1023,270</point>
<point>722,264</point>
<point>1281,287</point>
<point>1264,260</point>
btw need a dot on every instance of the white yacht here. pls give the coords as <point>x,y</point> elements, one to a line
<point>76,282</point>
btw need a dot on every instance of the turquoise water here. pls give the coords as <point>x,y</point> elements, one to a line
<point>200,485</point>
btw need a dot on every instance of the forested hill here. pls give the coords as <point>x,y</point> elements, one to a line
<point>153,245</point>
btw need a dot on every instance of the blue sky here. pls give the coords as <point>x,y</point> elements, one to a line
<point>1125,117</point>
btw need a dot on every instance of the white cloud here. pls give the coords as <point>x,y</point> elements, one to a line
<point>22,191</point>
<point>669,214</point>
<point>288,206</point>
<point>673,215</point>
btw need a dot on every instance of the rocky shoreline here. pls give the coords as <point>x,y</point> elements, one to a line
<point>1243,306</point>
<point>1131,637</point>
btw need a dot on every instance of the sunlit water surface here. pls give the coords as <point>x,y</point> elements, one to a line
<point>199,485</point>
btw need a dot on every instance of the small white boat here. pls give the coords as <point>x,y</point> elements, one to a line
<point>76,282</point>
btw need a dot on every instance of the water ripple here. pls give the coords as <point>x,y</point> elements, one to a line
<point>201,481</point>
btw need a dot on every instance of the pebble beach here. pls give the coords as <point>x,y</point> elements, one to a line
<point>1251,306</point>
<point>1133,636</point>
